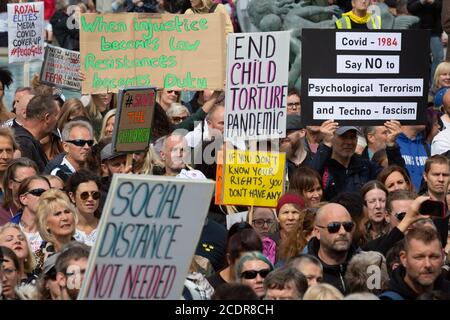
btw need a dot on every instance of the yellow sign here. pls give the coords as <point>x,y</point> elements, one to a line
<point>253,178</point>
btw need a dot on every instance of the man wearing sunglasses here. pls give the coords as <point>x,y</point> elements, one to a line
<point>332,244</point>
<point>41,117</point>
<point>77,139</point>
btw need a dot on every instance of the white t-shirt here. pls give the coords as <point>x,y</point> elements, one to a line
<point>34,239</point>
<point>87,239</point>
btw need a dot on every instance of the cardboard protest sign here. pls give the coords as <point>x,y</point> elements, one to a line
<point>134,118</point>
<point>365,78</point>
<point>147,236</point>
<point>253,178</point>
<point>61,68</point>
<point>163,50</point>
<point>257,85</point>
<point>25,31</point>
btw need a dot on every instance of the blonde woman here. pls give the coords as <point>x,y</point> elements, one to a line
<point>98,106</point>
<point>71,108</point>
<point>12,237</point>
<point>108,124</point>
<point>323,291</point>
<point>57,220</point>
<point>208,6</point>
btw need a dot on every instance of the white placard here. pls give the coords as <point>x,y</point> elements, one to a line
<point>367,64</point>
<point>25,31</point>
<point>324,110</point>
<point>236,217</point>
<point>386,41</point>
<point>61,68</point>
<point>365,87</point>
<point>257,85</point>
<point>148,233</point>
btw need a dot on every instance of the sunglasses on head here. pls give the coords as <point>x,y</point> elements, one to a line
<point>399,215</point>
<point>36,192</point>
<point>334,227</point>
<point>81,143</point>
<point>94,194</point>
<point>251,274</point>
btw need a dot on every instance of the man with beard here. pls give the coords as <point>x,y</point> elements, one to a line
<point>332,244</point>
<point>420,271</point>
<point>70,268</point>
<point>293,144</point>
<point>341,169</point>
<point>77,139</point>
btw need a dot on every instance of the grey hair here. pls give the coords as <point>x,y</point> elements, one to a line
<point>175,109</point>
<point>72,124</point>
<point>359,270</point>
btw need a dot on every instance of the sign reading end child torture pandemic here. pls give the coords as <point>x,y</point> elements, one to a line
<point>134,119</point>
<point>147,236</point>
<point>61,68</point>
<point>365,78</point>
<point>257,85</point>
<point>178,52</point>
<point>253,178</point>
<point>25,31</point>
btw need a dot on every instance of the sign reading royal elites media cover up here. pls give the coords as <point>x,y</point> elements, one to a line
<point>61,68</point>
<point>147,236</point>
<point>365,77</point>
<point>25,31</point>
<point>178,52</point>
<point>256,91</point>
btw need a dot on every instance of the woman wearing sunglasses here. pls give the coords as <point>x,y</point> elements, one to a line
<point>251,269</point>
<point>83,188</point>
<point>28,193</point>
<point>56,222</point>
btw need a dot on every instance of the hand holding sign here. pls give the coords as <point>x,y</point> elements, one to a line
<point>394,129</point>
<point>327,129</point>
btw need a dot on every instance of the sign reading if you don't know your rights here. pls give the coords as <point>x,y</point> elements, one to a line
<point>369,77</point>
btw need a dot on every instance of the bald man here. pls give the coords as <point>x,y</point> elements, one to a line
<point>332,244</point>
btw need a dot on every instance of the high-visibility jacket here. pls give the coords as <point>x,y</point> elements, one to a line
<point>345,22</point>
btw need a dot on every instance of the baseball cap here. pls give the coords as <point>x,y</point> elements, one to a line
<point>341,130</point>
<point>294,122</point>
<point>107,153</point>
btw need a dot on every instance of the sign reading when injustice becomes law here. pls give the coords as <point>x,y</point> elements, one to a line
<point>181,52</point>
<point>25,31</point>
<point>147,236</point>
<point>369,77</point>
<point>257,85</point>
<point>252,178</point>
<point>134,118</point>
<point>61,68</point>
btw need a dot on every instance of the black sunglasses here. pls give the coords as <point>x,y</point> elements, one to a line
<point>334,227</point>
<point>36,192</point>
<point>399,215</point>
<point>251,274</point>
<point>81,143</point>
<point>94,194</point>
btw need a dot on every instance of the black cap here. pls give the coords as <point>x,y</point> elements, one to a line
<point>294,122</point>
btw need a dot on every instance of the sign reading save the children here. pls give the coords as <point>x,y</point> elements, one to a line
<point>134,119</point>
<point>253,178</point>
<point>257,85</point>
<point>148,232</point>
<point>61,68</point>
<point>25,31</point>
<point>185,52</point>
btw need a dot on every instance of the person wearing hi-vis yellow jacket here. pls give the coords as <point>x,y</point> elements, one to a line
<point>358,17</point>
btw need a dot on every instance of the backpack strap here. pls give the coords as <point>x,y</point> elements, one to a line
<point>213,8</point>
<point>391,295</point>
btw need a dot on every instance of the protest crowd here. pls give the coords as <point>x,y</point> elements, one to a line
<point>361,213</point>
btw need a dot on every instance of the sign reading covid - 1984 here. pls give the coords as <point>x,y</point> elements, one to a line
<point>369,77</point>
